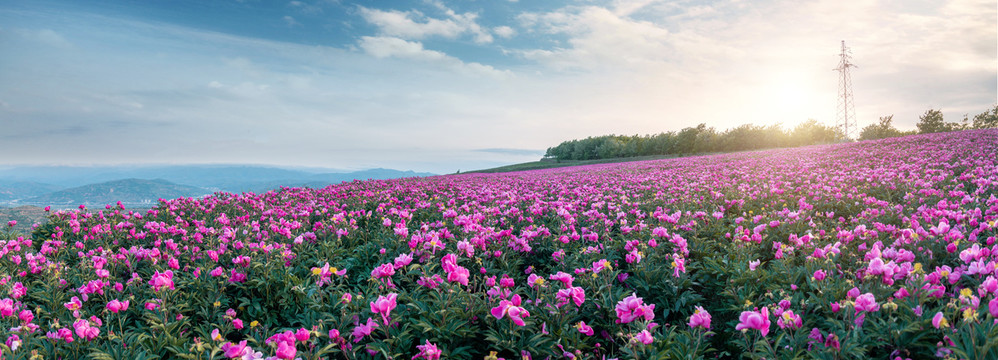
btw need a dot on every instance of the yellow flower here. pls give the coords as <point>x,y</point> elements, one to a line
<point>965,292</point>
<point>918,268</point>
<point>217,303</point>
<point>492,356</point>
<point>970,314</point>
<point>316,271</point>
<point>254,324</point>
<point>748,303</point>
<point>539,281</point>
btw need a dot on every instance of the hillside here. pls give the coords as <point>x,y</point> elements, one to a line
<point>134,192</point>
<point>12,190</point>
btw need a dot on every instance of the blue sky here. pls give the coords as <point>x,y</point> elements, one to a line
<point>445,85</point>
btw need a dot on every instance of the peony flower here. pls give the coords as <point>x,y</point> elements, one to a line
<point>866,302</point>
<point>161,280</point>
<point>384,305</point>
<point>758,320</point>
<point>585,329</point>
<point>428,351</point>
<point>633,307</point>
<point>700,318</point>
<point>512,309</point>
<point>754,264</point>
<point>939,320</point>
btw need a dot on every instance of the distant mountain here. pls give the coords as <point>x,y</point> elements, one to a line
<point>12,190</point>
<point>133,192</point>
<point>231,178</point>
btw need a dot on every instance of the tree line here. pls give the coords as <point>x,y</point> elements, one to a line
<point>704,139</point>
<point>693,140</point>
<point>930,122</point>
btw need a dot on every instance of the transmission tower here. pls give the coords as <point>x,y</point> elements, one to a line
<point>846,113</point>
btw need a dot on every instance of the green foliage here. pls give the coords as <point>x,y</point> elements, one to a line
<point>694,140</point>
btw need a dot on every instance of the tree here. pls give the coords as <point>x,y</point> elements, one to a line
<point>932,122</point>
<point>880,131</point>
<point>986,119</point>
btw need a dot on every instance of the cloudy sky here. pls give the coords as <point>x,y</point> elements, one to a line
<point>445,85</point>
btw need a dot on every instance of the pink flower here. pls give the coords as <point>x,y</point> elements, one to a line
<point>819,275</point>
<point>84,330</point>
<point>286,350</point>
<point>216,335</point>
<point>384,305</point>
<point>512,309</point>
<point>565,279</point>
<point>993,307</point>
<point>576,295</point>
<point>700,318</point>
<point>754,264</point>
<point>237,323</point>
<point>302,335</point>
<point>633,307</point>
<point>362,330</point>
<point>854,292</point>
<point>866,302</point>
<point>26,316</point>
<point>234,350</point>
<point>459,274</point>
<point>939,320</point>
<point>758,320</point>
<point>789,320</point>
<point>7,307</point>
<point>585,329</point>
<point>385,270</point>
<point>428,351</point>
<point>161,280</point>
<point>645,337</point>
<point>18,290</point>
<point>115,306</point>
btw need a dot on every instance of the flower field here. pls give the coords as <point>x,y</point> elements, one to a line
<point>879,249</point>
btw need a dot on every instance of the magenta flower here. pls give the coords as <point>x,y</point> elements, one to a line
<point>161,280</point>
<point>565,279</point>
<point>754,264</point>
<point>384,305</point>
<point>512,309</point>
<point>428,351</point>
<point>286,350</point>
<point>18,290</point>
<point>383,271</point>
<point>84,329</point>
<point>233,351</point>
<point>115,306</point>
<point>459,274</point>
<point>700,318</point>
<point>633,307</point>
<point>645,337</point>
<point>939,320</point>
<point>26,316</point>
<point>758,320</point>
<point>866,302</point>
<point>362,330</point>
<point>993,308</point>
<point>302,335</point>
<point>585,329</point>
<point>576,295</point>
<point>819,275</point>
<point>789,320</point>
<point>7,307</point>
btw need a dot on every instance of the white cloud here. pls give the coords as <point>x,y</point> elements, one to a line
<point>505,32</point>
<point>392,47</point>
<point>414,25</point>
<point>384,47</point>
<point>290,21</point>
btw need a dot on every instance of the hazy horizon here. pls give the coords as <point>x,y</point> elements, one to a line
<point>440,86</point>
